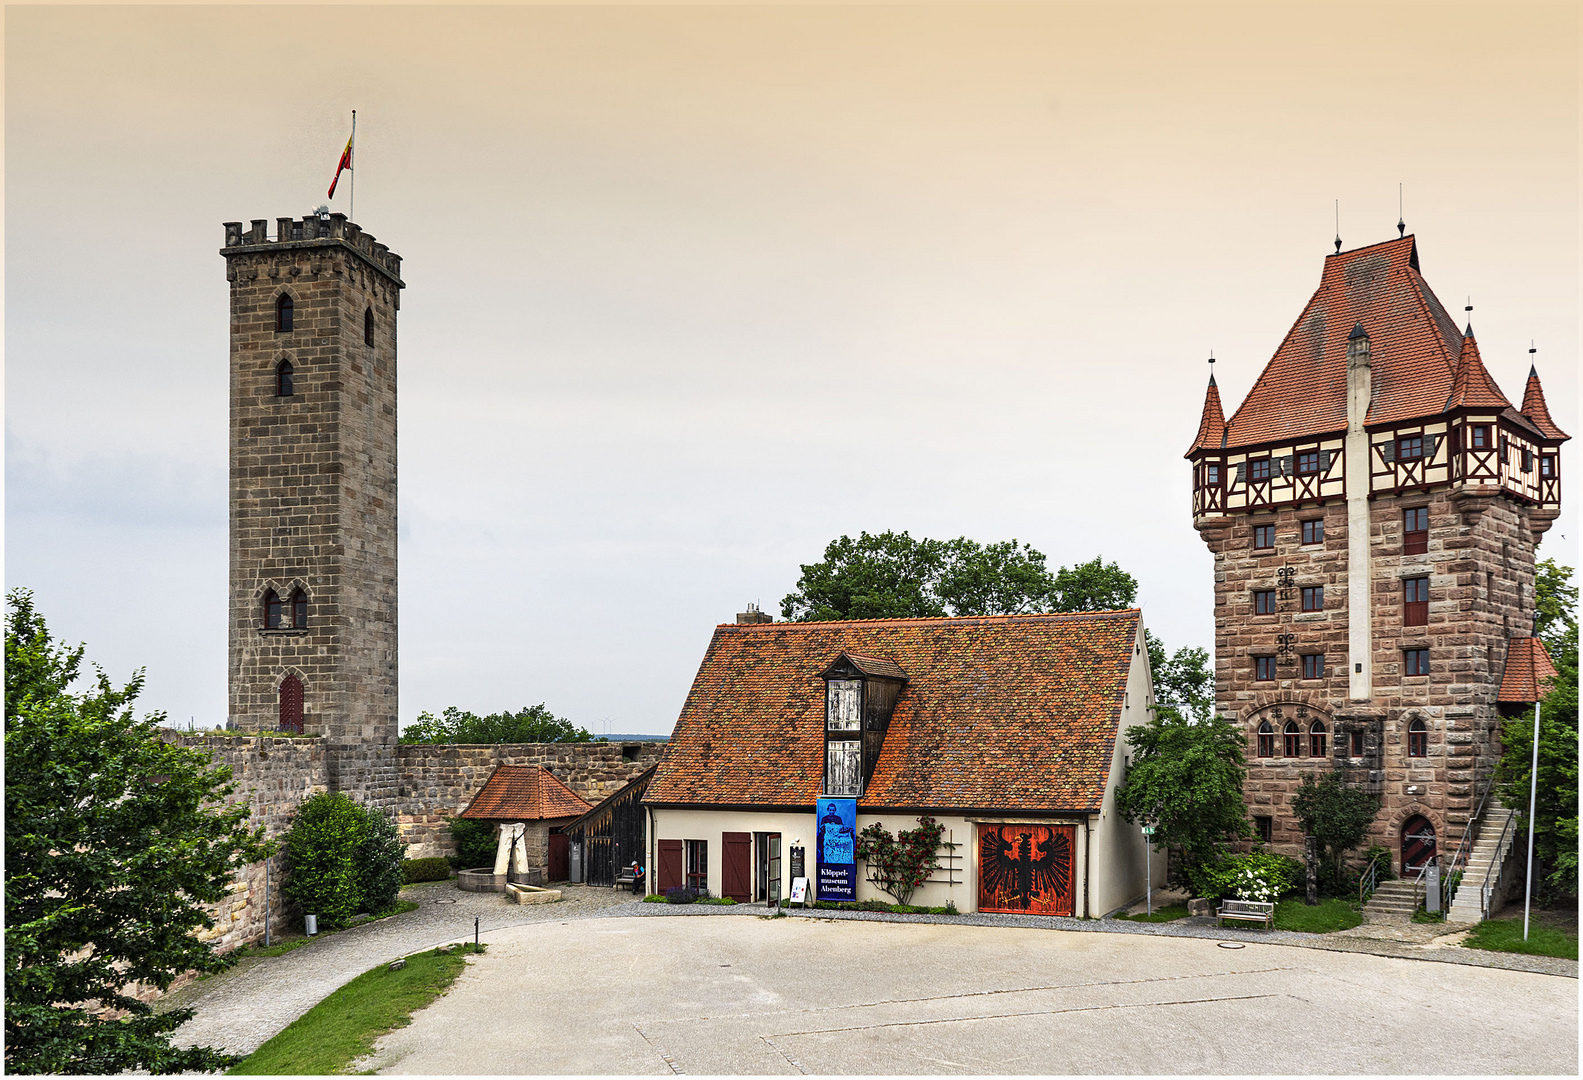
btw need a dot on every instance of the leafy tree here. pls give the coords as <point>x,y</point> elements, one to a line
<point>380,870</point>
<point>531,724</point>
<point>892,576</point>
<point>322,846</point>
<point>476,843</point>
<point>1336,814</point>
<point>1556,809</point>
<point>1183,684</point>
<point>115,841</point>
<point>1186,777</point>
<point>899,864</point>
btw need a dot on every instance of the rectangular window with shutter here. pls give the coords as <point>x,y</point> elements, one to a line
<point>1415,531</point>
<point>1260,469</point>
<point>1415,597</point>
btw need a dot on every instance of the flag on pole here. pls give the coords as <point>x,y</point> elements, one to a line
<point>344,164</point>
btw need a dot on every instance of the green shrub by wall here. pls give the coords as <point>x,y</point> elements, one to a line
<point>343,858</point>
<point>476,843</point>
<point>435,869</point>
<point>379,861</point>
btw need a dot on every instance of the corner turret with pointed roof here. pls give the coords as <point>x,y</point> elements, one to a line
<point>1535,409</point>
<point>1472,387</point>
<point>1212,425</point>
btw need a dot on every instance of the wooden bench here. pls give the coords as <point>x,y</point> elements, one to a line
<point>1247,911</point>
<point>627,876</point>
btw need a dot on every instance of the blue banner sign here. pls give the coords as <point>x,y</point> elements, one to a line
<point>836,845</point>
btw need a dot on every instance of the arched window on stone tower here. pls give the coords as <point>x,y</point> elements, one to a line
<point>283,381</point>
<point>285,310</point>
<point>299,610</point>
<point>271,610</point>
<point>368,326</point>
<point>1417,739</point>
<point>1316,739</point>
<point>1266,740</point>
<point>291,704</point>
<point>1293,739</point>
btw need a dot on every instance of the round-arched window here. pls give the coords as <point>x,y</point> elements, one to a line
<point>368,326</point>
<point>1293,739</point>
<point>1316,739</point>
<point>1417,739</point>
<point>1266,740</point>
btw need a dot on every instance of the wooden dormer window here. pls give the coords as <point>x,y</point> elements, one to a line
<point>860,695</point>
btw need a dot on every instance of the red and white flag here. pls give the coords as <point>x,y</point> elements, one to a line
<point>344,164</point>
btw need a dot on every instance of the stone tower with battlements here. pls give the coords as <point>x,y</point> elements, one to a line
<point>1373,507</point>
<point>312,630</point>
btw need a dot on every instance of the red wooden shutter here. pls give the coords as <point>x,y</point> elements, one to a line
<point>291,704</point>
<point>670,864</point>
<point>736,877</point>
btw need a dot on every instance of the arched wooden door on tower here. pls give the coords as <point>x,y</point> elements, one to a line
<point>291,704</point>
<point>1026,869</point>
<point>1418,844</point>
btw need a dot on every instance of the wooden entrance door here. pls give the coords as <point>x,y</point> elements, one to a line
<point>1418,843</point>
<point>1026,869</point>
<point>736,866</point>
<point>559,869</point>
<point>670,864</point>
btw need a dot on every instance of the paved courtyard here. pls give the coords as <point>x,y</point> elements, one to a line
<point>744,994</point>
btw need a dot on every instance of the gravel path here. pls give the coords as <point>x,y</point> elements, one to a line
<point>243,1008</point>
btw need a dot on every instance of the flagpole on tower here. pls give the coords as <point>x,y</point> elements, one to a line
<point>351,199</point>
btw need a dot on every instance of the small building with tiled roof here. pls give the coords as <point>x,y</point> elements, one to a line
<point>1374,506</point>
<point>1008,730</point>
<point>536,798</point>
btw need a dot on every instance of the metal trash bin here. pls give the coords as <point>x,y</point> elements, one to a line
<point>311,924</point>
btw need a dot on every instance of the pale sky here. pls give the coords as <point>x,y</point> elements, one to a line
<point>693,291</point>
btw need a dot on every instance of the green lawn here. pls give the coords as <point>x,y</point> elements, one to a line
<point>341,1028</point>
<point>1169,913</point>
<point>1325,917</point>
<point>1506,935</point>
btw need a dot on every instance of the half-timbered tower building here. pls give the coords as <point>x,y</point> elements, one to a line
<point>1373,507</point>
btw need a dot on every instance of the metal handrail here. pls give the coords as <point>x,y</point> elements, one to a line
<point>1497,867</point>
<point>1370,880</point>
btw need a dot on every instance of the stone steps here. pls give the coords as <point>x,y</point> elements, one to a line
<point>1392,902</point>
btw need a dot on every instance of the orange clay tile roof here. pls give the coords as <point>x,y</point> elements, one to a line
<point>1414,347</point>
<point>1528,670</point>
<point>1472,387</point>
<point>524,793</point>
<point>1536,410</point>
<point>1015,712</point>
<point>873,665</point>
<point>1212,425</point>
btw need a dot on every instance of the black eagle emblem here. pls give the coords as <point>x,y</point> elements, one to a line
<point>1025,864</point>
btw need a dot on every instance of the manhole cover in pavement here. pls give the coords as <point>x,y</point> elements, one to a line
<point>445,901</point>
<point>1229,944</point>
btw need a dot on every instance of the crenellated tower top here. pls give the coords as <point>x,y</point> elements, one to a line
<point>312,231</point>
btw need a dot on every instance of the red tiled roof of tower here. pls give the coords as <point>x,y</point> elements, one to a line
<point>1003,711</point>
<point>1212,425</point>
<point>1414,343</point>
<point>1472,386</point>
<point>524,793</point>
<point>1536,410</point>
<point>1528,670</point>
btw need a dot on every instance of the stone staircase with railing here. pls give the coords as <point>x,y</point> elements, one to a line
<point>1491,845</point>
<point>1392,902</point>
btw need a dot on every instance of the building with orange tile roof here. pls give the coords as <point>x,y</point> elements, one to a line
<point>1008,730</point>
<point>534,797</point>
<point>1373,506</point>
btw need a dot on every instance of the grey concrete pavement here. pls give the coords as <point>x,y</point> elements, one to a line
<point>654,996</point>
<point>243,1008</point>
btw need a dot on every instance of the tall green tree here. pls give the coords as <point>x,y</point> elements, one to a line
<point>1556,809</point>
<point>115,841</point>
<point>1183,684</point>
<point>532,724</point>
<point>1336,813</point>
<point>893,575</point>
<point>1186,777</point>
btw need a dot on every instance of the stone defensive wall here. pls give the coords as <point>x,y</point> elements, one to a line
<point>424,785</point>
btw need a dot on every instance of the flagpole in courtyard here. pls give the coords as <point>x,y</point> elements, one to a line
<point>1533,796</point>
<point>351,165</point>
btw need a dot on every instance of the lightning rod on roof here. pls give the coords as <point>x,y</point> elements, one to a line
<point>1401,219</point>
<point>1338,226</point>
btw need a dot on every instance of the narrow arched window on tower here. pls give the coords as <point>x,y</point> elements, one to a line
<point>1266,740</point>
<point>291,704</point>
<point>1417,739</point>
<point>271,610</point>
<point>1316,739</point>
<point>368,326</point>
<point>1293,738</point>
<point>283,383</point>
<point>284,310</point>
<point>299,610</point>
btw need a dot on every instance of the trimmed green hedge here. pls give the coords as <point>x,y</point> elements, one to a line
<point>343,858</point>
<point>435,869</point>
